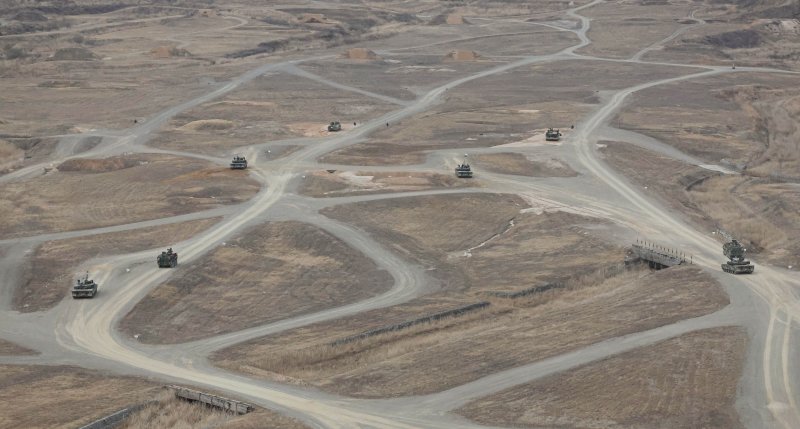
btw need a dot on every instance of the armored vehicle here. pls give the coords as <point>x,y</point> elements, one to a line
<point>463,170</point>
<point>168,259</point>
<point>737,263</point>
<point>238,163</point>
<point>552,135</point>
<point>335,126</point>
<point>84,288</point>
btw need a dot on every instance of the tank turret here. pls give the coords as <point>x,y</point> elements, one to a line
<point>238,163</point>
<point>168,259</point>
<point>84,288</point>
<point>552,135</point>
<point>737,264</point>
<point>463,170</point>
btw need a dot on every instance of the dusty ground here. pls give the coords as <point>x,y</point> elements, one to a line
<point>171,412</point>
<point>268,273</point>
<point>483,241</point>
<point>272,107</point>
<point>342,183</point>
<point>74,396</point>
<point>8,348</point>
<point>743,120</point>
<point>522,165</point>
<point>494,111</point>
<point>93,193</point>
<point>686,382</point>
<point>454,351</point>
<point>54,266</point>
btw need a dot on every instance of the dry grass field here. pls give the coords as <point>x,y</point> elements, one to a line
<point>343,183</point>
<point>8,348</point>
<point>685,382</point>
<point>54,266</point>
<point>171,412</point>
<point>502,109</point>
<point>522,165</point>
<point>91,193</point>
<point>270,272</point>
<point>432,357</point>
<point>50,397</point>
<point>271,107</point>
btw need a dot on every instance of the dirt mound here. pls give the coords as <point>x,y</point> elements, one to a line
<point>461,55</point>
<point>313,18</point>
<point>454,19</point>
<point>169,52</point>
<point>360,54</point>
<point>207,124</point>
<point>73,54</point>
<point>98,165</point>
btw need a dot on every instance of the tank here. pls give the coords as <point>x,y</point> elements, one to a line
<point>737,264</point>
<point>552,135</point>
<point>84,288</point>
<point>168,259</point>
<point>238,163</point>
<point>463,170</point>
<point>335,126</point>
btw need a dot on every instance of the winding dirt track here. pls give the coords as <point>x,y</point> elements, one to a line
<point>83,332</point>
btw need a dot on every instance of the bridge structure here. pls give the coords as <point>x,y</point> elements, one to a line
<point>656,256</point>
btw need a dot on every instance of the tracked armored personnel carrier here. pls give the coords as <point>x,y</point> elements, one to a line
<point>168,259</point>
<point>84,288</point>
<point>335,126</point>
<point>463,170</point>
<point>552,135</point>
<point>238,163</point>
<point>737,263</point>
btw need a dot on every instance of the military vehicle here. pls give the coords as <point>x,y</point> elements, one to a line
<point>737,264</point>
<point>168,259</point>
<point>238,163</point>
<point>335,126</point>
<point>552,135</point>
<point>463,170</point>
<point>84,288</point>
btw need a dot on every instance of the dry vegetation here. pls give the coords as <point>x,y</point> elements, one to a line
<point>522,165</point>
<point>270,272</point>
<point>118,190</point>
<point>8,348</point>
<point>483,241</point>
<point>450,352</point>
<point>54,265</point>
<point>50,397</point>
<point>498,110</point>
<point>272,107</point>
<point>338,184</point>
<point>685,382</point>
<point>171,412</point>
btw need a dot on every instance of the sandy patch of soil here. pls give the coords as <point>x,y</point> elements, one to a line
<point>270,272</point>
<point>342,183</point>
<point>8,348</point>
<point>687,381</point>
<point>118,190</point>
<point>521,165</point>
<point>54,266</point>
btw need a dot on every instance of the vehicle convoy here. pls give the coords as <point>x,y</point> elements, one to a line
<point>168,259</point>
<point>463,170</point>
<point>737,263</point>
<point>335,126</point>
<point>238,163</point>
<point>552,135</point>
<point>84,288</point>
